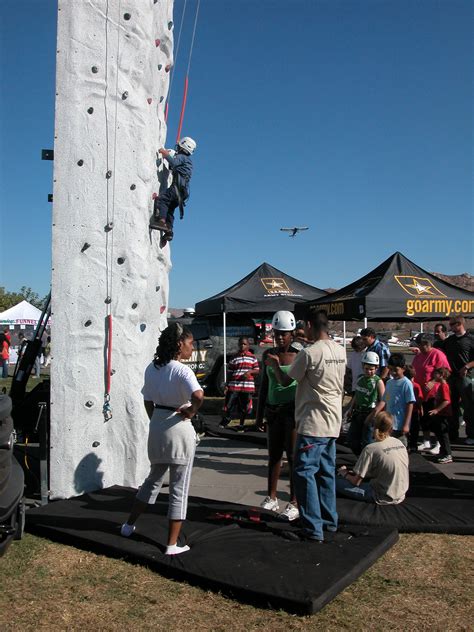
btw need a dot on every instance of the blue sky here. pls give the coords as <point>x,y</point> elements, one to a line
<point>352,117</point>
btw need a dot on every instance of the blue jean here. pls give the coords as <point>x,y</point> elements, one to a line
<point>363,491</point>
<point>315,483</point>
<point>4,365</point>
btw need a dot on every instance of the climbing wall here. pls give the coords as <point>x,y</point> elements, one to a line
<point>110,275</point>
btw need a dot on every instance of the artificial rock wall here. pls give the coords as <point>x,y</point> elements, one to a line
<point>113,62</point>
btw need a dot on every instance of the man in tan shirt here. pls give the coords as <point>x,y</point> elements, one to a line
<point>319,370</point>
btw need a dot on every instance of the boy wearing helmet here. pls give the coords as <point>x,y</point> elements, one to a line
<point>369,391</point>
<point>181,167</point>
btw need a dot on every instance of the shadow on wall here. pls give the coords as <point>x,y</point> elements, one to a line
<point>87,476</point>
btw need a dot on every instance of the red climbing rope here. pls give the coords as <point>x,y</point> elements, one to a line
<point>183,108</point>
<point>109,353</point>
<point>186,81</point>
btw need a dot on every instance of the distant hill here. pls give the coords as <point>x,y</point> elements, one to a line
<point>464,280</point>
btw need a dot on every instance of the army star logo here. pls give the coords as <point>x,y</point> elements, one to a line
<point>275,285</point>
<point>418,286</point>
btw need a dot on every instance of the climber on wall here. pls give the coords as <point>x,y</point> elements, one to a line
<point>181,166</point>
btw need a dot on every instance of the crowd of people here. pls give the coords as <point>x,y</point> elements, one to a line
<point>300,404</point>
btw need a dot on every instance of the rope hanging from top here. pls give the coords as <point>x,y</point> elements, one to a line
<point>175,60</point>
<point>186,80</point>
<point>110,202</point>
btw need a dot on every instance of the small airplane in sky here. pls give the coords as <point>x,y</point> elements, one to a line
<point>294,230</point>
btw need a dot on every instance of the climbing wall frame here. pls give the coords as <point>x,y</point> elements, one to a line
<point>113,63</point>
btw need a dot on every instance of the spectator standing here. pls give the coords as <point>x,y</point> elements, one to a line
<point>399,398</point>
<point>240,386</point>
<point>440,334</point>
<point>354,361</point>
<point>4,354</point>
<point>441,413</point>
<point>372,343</point>
<point>319,370</point>
<point>424,363</point>
<point>459,350</point>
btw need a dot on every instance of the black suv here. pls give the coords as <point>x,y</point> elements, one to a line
<point>207,360</point>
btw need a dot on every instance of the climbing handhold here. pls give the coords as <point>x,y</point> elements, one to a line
<point>126,16</point>
<point>157,42</point>
<point>162,309</point>
<point>134,305</point>
<point>157,288</point>
<point>90,110</point>
<point>168,67</point>
<point>85,247</point>
<point>121,260</point>
<point>95,70</point>
<point>80,163</point>
<point>133,187</point>
<point>154,196</point>
<point>149,100</point>
<point>96,444</point>
<point>108,227</point>
<point>108,174</point>
<point>142,327</point>
<point>170,25</point>
<point>124,95</point>
<point>161,99</point>
<point>108,300</point>
<point>89,404</point>
<point>160,66</point>
<point>88,323</point>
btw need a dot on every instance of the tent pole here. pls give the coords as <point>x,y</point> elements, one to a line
<point>365,323</point>
<point>224,325</point>
<point>421,328</point>
<point>344,333</point>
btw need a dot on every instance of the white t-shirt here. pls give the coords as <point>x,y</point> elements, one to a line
<point>170,385</point>
<point>354,363</point>
<point>319,370</point>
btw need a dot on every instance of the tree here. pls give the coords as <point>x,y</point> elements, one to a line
<point>9,299</point>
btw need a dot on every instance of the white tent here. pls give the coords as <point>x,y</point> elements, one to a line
<point>21,314</point>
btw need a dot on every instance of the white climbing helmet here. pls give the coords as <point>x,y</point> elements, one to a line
<point>370,357</point>
<point>283,321</point>
<point>188,144</point>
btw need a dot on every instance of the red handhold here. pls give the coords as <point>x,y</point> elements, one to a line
<point>157,42</point>
<point>149,100</point>
<point>154,196</point>
<point>168,67</point>
<point>162,309</point>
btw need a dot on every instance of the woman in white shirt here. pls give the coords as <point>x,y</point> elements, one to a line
<point>172,397</point>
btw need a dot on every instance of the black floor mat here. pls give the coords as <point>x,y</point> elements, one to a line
<point>240,552</point>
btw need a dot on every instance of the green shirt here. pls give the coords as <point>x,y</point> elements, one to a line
<point>366,392</point>
<point>278,394</point>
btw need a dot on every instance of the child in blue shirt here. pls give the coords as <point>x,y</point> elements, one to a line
<point>166,203</point>
<point>399,397</point>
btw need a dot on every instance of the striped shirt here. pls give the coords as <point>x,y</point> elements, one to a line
<point>239,367</point>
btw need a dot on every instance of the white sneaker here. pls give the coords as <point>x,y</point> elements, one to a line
<point>290,512</point>
<point>425,445</point>
<point>270,504</point>
<point>435,449</point>
<point>127,529</point>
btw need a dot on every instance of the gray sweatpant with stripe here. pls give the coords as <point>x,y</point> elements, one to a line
<point>180,478</point>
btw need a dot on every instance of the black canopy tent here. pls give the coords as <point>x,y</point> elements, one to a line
<point>397,290</point>
<point>262,292</point>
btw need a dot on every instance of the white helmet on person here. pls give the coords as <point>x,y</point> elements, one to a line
<point>283,321</point>
<point>370,357</point>
<point>188,144</point>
